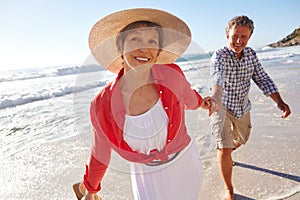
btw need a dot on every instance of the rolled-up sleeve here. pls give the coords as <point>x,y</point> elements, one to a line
<point>263,80</point>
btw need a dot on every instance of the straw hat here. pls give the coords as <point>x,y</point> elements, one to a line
<point>102,38</point>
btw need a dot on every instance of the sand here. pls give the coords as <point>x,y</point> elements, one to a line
<point>267,166</point>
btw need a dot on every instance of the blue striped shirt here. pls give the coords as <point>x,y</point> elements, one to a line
<point>235,75</point>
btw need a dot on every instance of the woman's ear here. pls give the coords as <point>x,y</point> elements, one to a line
<point>157,55</point>
<point>158,52</point>
<point>120,50</point>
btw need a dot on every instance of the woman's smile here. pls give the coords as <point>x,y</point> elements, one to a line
<point>142,59</point>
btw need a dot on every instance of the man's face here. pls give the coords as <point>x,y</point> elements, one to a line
<point>238,37</point>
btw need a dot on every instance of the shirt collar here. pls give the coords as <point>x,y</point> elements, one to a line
<point>116,92</point>
<point>157,73</point>
<point>232,53</point>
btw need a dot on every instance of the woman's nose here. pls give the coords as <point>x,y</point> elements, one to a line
<point>143,46</point>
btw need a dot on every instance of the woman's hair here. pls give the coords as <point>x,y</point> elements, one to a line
<point>124,32</point>
<point>240,21</point>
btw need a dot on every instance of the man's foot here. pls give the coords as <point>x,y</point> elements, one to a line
<point>228,195</point>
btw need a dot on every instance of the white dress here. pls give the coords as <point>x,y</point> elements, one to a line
<point>178,179</point>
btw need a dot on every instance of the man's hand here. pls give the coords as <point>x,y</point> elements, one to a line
<point>215,107</point>
<point>281,105</point>
<point>284,108</point>
<point>211,105</point>
<point>216,99</point>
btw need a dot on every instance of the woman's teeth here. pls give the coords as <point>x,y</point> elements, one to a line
<point>142,59</point>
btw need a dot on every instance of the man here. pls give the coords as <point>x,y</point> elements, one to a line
<point>232,69</point>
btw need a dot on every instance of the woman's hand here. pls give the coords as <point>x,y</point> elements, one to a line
<point>206,103</point>
<point>211,105</point>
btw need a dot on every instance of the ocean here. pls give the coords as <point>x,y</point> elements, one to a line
<point>46,105</point>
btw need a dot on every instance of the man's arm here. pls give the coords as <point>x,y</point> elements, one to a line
<point>216,99</point>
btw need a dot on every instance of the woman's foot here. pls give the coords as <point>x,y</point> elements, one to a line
<point>228,195</point>
<point>79,190</point>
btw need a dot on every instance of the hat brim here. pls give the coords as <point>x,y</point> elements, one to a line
<point>102,37</point>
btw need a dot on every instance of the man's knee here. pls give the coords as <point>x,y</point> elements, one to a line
<point>225,152</point>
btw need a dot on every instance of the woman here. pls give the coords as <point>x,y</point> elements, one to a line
<point>140,115</point>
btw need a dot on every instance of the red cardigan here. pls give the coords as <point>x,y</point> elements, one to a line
<point>107,113</point>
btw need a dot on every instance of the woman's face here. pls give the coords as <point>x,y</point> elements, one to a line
<point>238,37</point>
<point>141,47</point>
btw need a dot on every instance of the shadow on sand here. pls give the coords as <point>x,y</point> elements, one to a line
<point>287,176</point>
<point>240,197</point>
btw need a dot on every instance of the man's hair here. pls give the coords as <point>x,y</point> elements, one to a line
<point>240,21</point>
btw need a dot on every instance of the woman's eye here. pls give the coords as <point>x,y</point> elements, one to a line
<point>153,42</point>
<point>135,39</point>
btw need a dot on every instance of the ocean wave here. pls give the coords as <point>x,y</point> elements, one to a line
<point>21,99</point>
<point>267,53</point>
<point>27,74</point>
<point>276,56</point>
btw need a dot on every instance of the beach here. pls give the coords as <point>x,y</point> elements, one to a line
<point>45,141</point>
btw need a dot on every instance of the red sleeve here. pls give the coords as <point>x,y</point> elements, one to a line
<point>94,173</point>
<point>99,160</point>
<point>100,155</point>
<point>192,99</point>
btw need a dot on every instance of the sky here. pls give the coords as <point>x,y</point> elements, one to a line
<point>46,33</point>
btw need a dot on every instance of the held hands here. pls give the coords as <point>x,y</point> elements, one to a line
<point>210,104</point>
<point>214,103</point>
<point>216,106</point>
<point>216,99</point>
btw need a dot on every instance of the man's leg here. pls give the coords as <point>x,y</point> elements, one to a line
<point>225,167</point>
<point>221,127</point>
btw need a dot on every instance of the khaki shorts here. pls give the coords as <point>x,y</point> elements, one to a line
<point>227,129</point>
